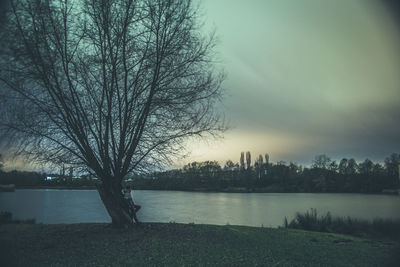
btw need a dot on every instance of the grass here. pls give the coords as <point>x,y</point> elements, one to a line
<point>377,228</point>
<point>163,244</point>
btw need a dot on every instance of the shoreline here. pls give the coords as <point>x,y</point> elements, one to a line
<point>201,190</point>
<point>58,187</point>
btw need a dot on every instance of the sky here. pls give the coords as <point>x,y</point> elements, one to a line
<point>304,78</point>
<point>307,77</point>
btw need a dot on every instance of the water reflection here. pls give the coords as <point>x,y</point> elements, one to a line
<point>76,206</point>
<point>55,206</point>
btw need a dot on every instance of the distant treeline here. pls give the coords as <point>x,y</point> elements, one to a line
<point>325,175</point>
<point>34,179</point>
<point>22,178</point>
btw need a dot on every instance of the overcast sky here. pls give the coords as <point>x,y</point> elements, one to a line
<point>307,77</point>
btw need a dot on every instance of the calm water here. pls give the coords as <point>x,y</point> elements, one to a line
<point>269,209</point>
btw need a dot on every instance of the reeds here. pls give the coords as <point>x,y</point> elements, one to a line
<point>311,221</point>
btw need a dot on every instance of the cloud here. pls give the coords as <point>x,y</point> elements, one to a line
<point>310,77</point>
<point>307,77</point>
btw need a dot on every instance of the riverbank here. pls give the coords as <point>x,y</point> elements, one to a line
<point>7,187</point>
<point>202,190</point>
<point>171,244</point>
<point>58,187</point>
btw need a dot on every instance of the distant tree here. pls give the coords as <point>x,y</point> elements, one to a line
<point>294,168</point>
<point>280,174</point>
<point>192,166</point>
<point>242,164</point>
<point>377,169</point>
<point>343,166</point>
<point>259,166</point>
<point>236,167</point>
<point>392,165</point>
<point>321,161</point>
<point>260,160</point>
<point>333,166</point>
<point>351,167</point>
<point>366,167</point>
<point>248,160</point>
<point>110,86</point>
<point>229,165</point>
<point>209,167</point>
<point>1,162</point>
<point>266,159</point>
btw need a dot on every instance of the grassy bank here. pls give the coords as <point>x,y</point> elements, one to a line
<point>377,228</point>
<point>172,244</point>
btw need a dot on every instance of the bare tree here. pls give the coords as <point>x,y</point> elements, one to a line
<point>111,86</point>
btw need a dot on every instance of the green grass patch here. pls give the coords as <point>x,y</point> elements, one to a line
<point>160,244</point>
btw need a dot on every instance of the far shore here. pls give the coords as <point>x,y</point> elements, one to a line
<point>203,190</point>
<point>57,187</point>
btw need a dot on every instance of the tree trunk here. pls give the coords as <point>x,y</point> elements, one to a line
<point>117,207</point>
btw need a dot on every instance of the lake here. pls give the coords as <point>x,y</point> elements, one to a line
<point>252,209</point>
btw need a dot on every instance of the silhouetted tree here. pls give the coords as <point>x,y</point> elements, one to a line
<point>351,167</point>
<point>366,167</point>
<point>259,166</point>
<point>333,166</point>
<point>294,168</point>
<point>392,165</point>
<point>260,160</point>
<point>242,165</point>
<point>266,159</point>
<point>248,160</point>
<point>210,167</point>
<point>343,166</point>
<point>229,166</point>
<point>112,86</point>
<point>378,169</point>
<point>321,161</point>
